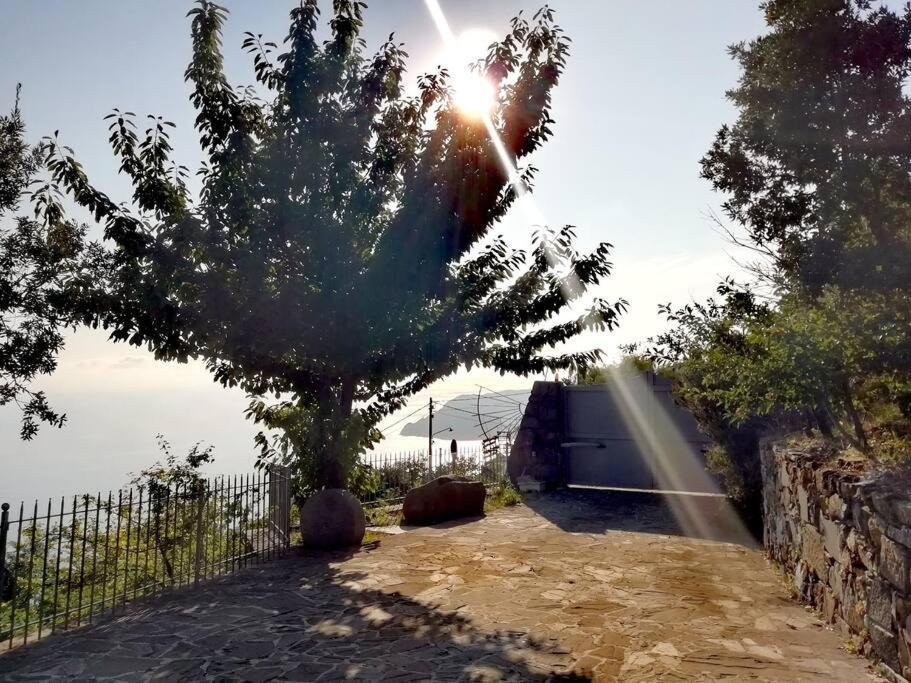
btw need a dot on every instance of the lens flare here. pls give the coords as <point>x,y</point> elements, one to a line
<point>474,95</point>
<point>676,468</point>
<point>471,45</point>
<point>674,465</point>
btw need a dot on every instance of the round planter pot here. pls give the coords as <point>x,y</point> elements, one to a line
<point>332,518</point>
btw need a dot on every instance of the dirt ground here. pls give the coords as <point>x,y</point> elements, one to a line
<point>571,586</point>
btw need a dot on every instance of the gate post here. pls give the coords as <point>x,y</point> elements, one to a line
<point>200,531</point>
<point>280,502</point>
<point>285,499</point>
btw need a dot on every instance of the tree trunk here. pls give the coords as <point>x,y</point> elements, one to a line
<point>336,475</point>
<point>166,563</point>
<point>808,422</point>
<point>822,421</point>
<point>855,417</point>
<point>838,427</point>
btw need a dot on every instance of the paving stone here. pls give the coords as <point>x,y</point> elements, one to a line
<point>307,671</point>
<point>605,584</point>
<point>250,649</point>
<point>91,645</point>
<point>260,674</point>
<point>180,669</point>
<point>113,665</point>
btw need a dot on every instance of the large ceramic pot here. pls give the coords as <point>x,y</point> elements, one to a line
<point>332,518</point>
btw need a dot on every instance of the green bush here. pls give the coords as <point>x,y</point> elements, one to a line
<point>503,494</point>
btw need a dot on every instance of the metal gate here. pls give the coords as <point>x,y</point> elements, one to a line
<point>629,433</point>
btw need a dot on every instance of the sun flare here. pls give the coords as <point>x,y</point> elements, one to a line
<point>472,93</point>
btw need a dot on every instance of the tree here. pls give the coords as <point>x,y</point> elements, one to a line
<point>339,256</point>
<point>709,354</point>
<point>39,263</point>
<point>817,168</point>
<point>739,360</point>
<point>818,164</point>
<point>632,363</point>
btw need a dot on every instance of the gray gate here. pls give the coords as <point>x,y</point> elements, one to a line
<point>628,433</point>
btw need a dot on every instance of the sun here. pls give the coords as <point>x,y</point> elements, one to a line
<point>472,93</point>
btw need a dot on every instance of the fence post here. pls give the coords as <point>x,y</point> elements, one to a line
<point>286,497</point>
<point>200,531</point>
<point>274,500</point>
<point>4,530</point>
<point>280,501</point>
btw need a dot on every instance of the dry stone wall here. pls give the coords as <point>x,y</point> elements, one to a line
<point>844,537</point>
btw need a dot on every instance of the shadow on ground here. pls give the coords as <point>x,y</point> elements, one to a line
<point>580,510</point>
<point>511,597</point>
<point>303,618</point>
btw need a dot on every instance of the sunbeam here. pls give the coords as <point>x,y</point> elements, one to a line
<point>674,464</point>
<point>463,74</point>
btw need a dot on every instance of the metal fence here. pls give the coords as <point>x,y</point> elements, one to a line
<point>68,562</point>
<point>387,477</point>
<point>71,560</point>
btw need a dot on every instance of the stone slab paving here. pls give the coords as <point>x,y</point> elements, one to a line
<point>572,586</point>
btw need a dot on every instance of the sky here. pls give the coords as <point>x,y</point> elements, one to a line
<point>641,99</point>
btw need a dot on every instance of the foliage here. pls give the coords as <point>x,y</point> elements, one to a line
<point>599,374</point>
<point>818,165</point>
<point>384,515</point>
<point>340,255</point>
<point>744,367</point>
<point>393,479</point>
<point>751,360</point>
<point>503,495</point>
<point>173,472</point>
<point>38,264</point>
<point>100,552</point>
<point>817,169</point>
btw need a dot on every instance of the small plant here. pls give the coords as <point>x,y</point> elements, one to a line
<point>384,515</point>
<point>460,466</point>
<point>503,495</point>
<point>853,645</point>
<point>174,471</point>
<point>372,538</point>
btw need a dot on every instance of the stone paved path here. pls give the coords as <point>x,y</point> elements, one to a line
<point>575,586</point>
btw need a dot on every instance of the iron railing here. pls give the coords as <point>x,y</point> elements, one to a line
<point>66,563</point>
<point>387,477</point>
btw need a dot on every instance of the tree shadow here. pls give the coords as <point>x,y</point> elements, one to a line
<point>301,618</point>
<point>580,510</point>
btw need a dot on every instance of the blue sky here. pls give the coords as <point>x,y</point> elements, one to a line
<point>642,97</point>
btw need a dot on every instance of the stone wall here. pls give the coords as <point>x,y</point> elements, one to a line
<point>536,449</point>
<point>844,537</point>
